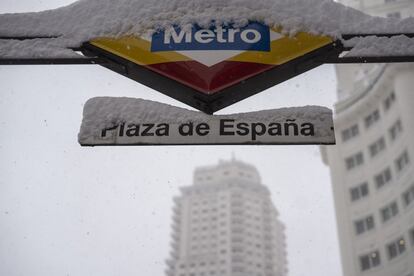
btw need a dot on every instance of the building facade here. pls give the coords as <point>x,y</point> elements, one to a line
<point>382,8</point>
<point>372,165</point>
<point>225,224</point>
<point>372,171</point>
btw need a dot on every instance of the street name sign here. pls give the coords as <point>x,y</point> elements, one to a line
<point>212,67</point>
<point>126,121</point>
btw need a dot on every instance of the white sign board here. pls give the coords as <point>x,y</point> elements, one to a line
<point>126,121</point>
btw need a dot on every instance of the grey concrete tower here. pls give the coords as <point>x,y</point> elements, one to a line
<point>225,224</point>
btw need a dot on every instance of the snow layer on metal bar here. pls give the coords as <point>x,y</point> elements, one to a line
<point>372,46</point>
<point>37,48</point>
<point>87,19</point>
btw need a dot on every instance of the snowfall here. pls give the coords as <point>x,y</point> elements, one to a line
<point>83,20</point>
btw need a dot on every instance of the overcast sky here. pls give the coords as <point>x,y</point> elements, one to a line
<point>67,210</point>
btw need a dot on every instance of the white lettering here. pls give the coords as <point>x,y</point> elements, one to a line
<point>177,38</point>
<point>232,32</point>
<point>204,36</point>
<point>220,33</point>
<point>244,36</point>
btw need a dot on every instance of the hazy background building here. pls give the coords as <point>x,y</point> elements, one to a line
<point>226,224</point>
<point>383,8</point>
<point>372,164</point>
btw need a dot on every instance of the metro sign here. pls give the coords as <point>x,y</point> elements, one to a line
<point>253,37</point>
<point>211,68</point>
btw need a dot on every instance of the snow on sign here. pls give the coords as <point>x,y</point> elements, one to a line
<point>210,68</point>
<point>126,121</point>
<point>206,53</point>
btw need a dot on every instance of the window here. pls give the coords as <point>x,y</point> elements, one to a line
<point>383,178</point>
<point>408,196</point>
<point>389,211</point>
<point>364,225</point>
<point>350,132</point>
<point>412,236</point>
<point>396,248</point>
<point>237,269</point>
<point>395,130</point>
<point>388,102</point>
<point>370,260</point>
<point>359,192</point>
<point>354,160</point>
<point>372,118</point>
<point>377,147</point>
<point>394,15</point>
<point>402,161</point>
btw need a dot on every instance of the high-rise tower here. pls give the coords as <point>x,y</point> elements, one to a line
<point>226,225</point>
<point>372,165</point>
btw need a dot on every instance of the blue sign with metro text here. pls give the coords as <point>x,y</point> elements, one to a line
<point>252,37</point>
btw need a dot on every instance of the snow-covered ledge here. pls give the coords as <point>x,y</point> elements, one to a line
<point>84,20</point>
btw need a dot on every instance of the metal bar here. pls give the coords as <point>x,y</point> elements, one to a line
<point>344,36</point>
<point>349,36</point>
<point>27,37</point>
<point>50,61</point>
<point>376,59</point>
